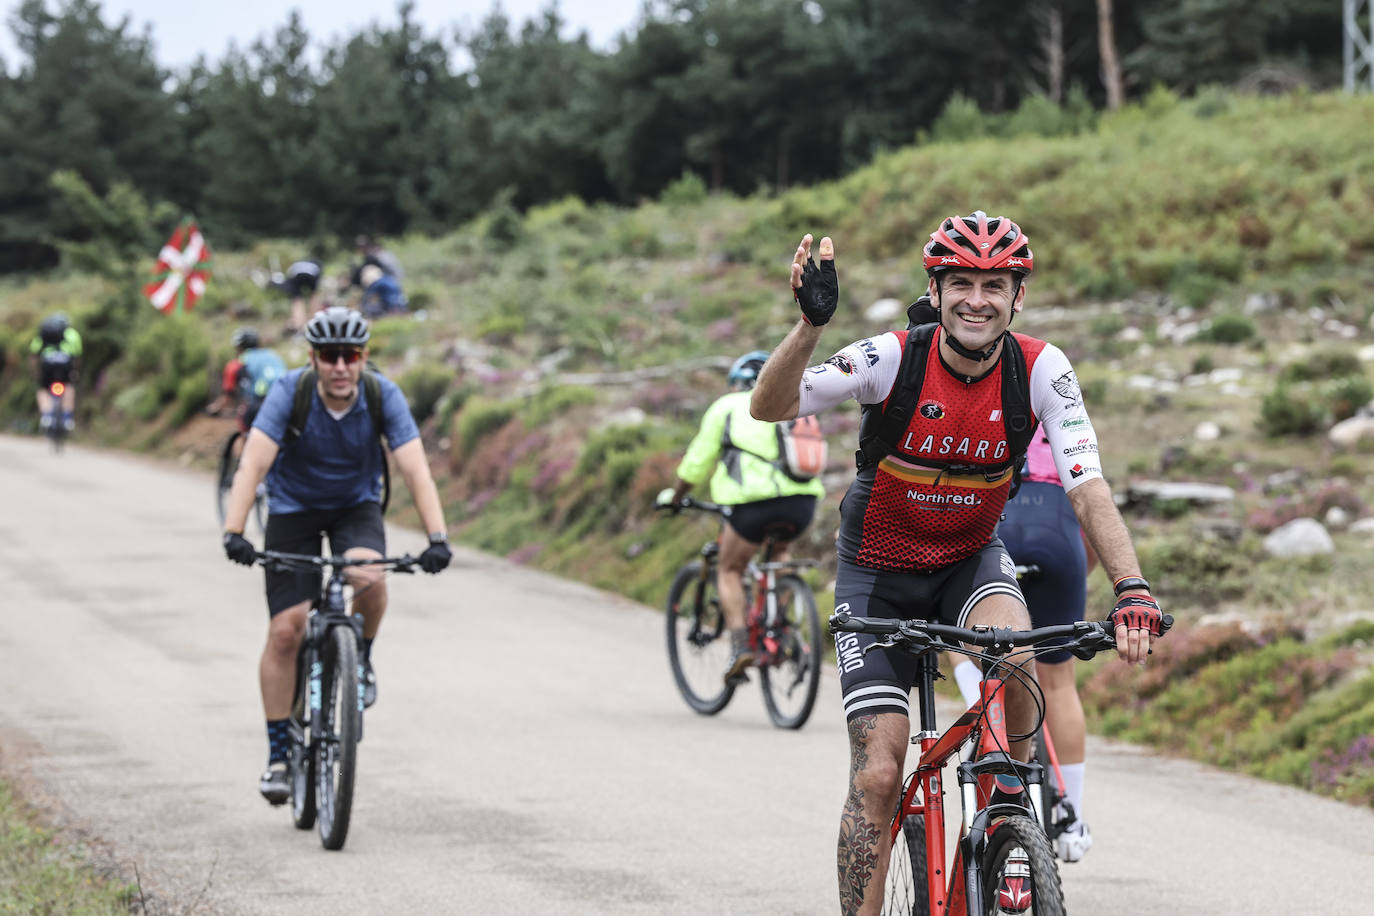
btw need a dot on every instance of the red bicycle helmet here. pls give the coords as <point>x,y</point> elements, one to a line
<point>978,243</point>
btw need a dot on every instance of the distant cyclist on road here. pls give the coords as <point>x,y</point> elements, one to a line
<point>325,478</point>
<point>247,377</point>
<point>741,457</point>
<point>1039,529</point>
<point>56,351</point>
<point>943,405</point>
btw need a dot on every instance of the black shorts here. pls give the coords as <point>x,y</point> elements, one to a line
<point>300,532</point>
<point>782,518</point>
<point>881,681</point>
<point>54,370</point>
<point>1039,528</point>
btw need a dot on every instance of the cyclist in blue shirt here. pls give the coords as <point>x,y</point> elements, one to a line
<point>325,478</point>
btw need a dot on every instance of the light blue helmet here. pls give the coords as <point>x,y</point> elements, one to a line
<point>746,369</point>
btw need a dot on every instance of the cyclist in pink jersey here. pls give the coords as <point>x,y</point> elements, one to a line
<point>918,524</point>
<point>1039,529</point>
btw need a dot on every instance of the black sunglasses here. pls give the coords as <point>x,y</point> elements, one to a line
<point>331,355</point>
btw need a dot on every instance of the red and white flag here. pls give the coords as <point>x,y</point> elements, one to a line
<point>183,268</point>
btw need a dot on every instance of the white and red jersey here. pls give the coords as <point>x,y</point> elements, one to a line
<point>938,497</point>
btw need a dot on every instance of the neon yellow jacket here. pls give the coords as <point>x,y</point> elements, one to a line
<point>71,344</point>
<point>742,452</point>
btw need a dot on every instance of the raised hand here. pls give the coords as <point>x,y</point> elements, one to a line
<point>816,289</point>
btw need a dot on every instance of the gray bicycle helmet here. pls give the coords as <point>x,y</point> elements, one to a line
<point>246,339</point>
<point>337,325</point>
<point>53,328</point>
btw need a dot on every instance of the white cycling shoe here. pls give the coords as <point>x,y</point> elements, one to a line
<point>1072,844</point>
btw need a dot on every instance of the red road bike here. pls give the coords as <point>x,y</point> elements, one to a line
<point>1003,862</point>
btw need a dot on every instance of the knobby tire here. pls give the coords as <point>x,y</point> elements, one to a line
<point>698,643</point>
<point>789,687</point>
<point>907,891</point>
<point>336,741</point>
<point>301,759</point>
<point>1022,833</point>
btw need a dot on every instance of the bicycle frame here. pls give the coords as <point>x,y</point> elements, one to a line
<point>318,626</point>
<point>984,722</point>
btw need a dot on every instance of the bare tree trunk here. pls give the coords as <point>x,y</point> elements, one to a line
<point>1106,49</point>
<point>1049,21</point>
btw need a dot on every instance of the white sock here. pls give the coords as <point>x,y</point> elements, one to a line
<point>1073,786</point>
<point>968,676</point>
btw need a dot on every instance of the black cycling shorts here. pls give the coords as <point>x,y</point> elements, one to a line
<point>881,681</point>
<point>1039,528</point>
<point>782,518</point>
<point>300,532</point>
<point>55,370</point>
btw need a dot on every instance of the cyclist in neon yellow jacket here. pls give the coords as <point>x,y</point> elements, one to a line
<point>56,352</point>
<point>741,457</point>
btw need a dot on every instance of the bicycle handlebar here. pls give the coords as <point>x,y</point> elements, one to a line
<point>1087,637</point>
<point>401,564</point>
<point>688,502</point>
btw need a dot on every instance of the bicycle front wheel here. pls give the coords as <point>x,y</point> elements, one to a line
<point>1052,797</point>
<point>336,736</point>
<point>1019,871</point>
<point>906,893</point>
<point>791,671</point>
<point>698,647</point>
<point>224,478</point>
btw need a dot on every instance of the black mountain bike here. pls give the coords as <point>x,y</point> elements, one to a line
<point>224,480</point>
<point>327,710</point>
<point>784,633</point>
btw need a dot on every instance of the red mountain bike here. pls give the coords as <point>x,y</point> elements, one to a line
<point>1003,862</point>
<point>784,633</point>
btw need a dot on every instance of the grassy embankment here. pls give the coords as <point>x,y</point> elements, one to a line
<point>550,428</point>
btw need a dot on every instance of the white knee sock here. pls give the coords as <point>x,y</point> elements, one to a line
<point>1073,786</point>
<point>968,676</point>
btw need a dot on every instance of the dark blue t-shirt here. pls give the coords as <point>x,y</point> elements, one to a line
<point>333,464</point>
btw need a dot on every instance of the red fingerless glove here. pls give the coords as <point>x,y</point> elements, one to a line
<point>1138,612</point>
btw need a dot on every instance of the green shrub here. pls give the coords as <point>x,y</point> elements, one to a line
<point>1318,365</point>
<point>1291,410</point>
<point>480,417</point>
<point>1345,396</point>
<point>1229,328</point>
<point>961,119</point>
<point>686,190</point>
<point>424,385</point>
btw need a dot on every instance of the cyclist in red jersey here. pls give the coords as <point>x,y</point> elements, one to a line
<point>918,525</point>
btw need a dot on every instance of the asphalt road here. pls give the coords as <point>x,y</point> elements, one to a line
<point>528,753</point>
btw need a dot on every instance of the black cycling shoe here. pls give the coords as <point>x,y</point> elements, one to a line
<point>275,783</point>
<point>369,684</point>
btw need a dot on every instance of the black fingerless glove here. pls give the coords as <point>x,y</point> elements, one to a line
<point>239,549</point>
<point>437,555</point>
<point>819,292</point>
<point>1138,612</point>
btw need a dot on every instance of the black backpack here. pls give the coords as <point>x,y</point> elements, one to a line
<point>372,387</point>
<point>882,427</point>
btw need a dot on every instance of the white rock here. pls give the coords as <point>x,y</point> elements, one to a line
<point>1350,431</point>
<point>1363,526</point>
<point>1336,518</point>
<point>630,416</point>
<point>884,310</point>
<point>1207,431</point>
<point>1299,538</point>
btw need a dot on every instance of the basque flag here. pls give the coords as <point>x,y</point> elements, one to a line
<point>183,267</point>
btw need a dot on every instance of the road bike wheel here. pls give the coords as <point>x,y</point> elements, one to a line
<point>300,760</point>
<point>907,893</point>
<point>698,646</point>
<point>791,677</point>
<point>224,479</point>
<point>336,736</point>
<point>1019,872</point>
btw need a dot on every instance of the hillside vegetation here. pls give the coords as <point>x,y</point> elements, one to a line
<point>1207,260</point>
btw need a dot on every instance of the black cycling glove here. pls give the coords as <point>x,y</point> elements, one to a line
<point>239,549</point>
<point>436,556</point>
<point>819,292</point>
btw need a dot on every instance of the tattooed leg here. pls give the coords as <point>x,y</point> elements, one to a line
<point>877,750</point>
